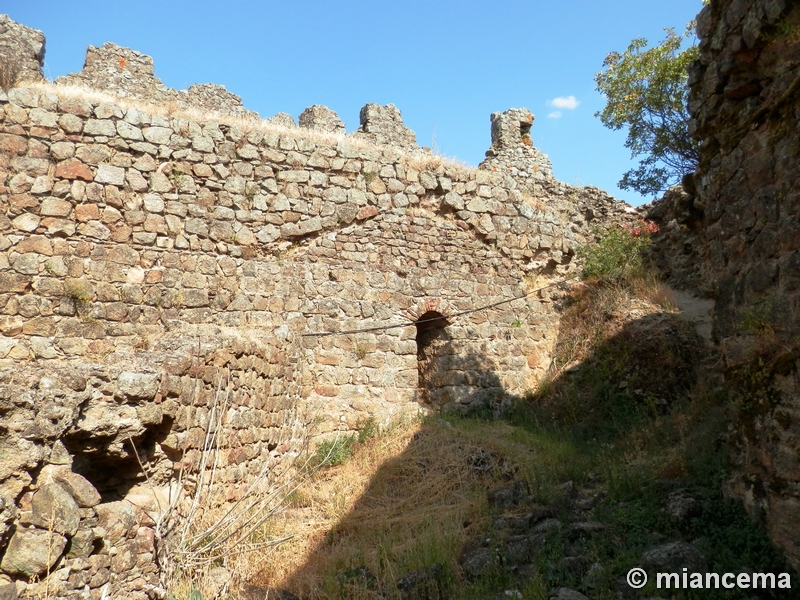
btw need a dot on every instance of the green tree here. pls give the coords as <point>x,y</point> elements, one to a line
<point>647,92</point>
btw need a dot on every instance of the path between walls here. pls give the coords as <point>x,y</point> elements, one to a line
<point>697,311</point>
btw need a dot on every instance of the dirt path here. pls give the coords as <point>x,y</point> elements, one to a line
<point>696,310</point>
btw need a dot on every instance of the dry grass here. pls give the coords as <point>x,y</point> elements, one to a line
<point>399,504</point>
<point>535,203</point>
<point>419,160</point>
<point>199,528</point>
<point>651,288</point>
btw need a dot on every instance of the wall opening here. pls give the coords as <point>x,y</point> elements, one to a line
<point>525,132</point>
<point>430,327</point>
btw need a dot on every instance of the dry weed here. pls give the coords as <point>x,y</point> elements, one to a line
<point>198,528</point>
<point>419,160</point>
<point>400,503</point>
<point>650,288</point>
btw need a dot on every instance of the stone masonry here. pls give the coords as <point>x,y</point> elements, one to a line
<point>129,74</point>
<point>512,150</point>
<point>384,125</point>
<point>321,118</point>
<point>745,110</point>
<point>22,48</point>
<point>151,266</point>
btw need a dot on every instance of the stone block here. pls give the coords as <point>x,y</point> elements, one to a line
<point>32,552</point>
<point>54,509</point>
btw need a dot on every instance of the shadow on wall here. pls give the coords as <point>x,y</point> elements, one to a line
<point>406,531</point>
<point>449,377</point>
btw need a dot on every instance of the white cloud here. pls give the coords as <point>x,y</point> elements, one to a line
<point>565,102</point>
<point>556,114</point>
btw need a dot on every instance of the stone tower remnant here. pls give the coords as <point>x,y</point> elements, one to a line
<point>512,151</point>
<point>321,118</point>
<point>384,125</point>
<point>21,48</point>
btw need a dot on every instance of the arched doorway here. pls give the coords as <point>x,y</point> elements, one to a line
<point>430,327</point>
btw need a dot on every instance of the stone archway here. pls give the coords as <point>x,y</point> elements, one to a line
<point>431,317</point>
<point>430,341</point>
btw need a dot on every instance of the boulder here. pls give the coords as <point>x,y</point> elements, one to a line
<point>672,557</point>
<point>511,495</point>
<point>53,508</point>
<point>32,552</point>
<point>117,518</point>
<point>568,594</point>
<point>84,493</point>
<point>138,386</point>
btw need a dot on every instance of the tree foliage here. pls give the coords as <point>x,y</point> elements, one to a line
<point>647,92</point>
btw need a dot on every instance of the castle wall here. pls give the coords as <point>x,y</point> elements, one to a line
<point>155,270</point>
<point>744,106</point>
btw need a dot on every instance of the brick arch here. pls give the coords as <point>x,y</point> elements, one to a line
<point>431,316</point>
<point>430,304</point>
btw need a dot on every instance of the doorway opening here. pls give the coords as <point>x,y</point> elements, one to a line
<point>430,327</point>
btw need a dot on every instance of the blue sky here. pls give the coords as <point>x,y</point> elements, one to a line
<point>446,65</point>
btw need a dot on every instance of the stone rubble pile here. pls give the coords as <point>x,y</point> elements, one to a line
<point>62,528</point>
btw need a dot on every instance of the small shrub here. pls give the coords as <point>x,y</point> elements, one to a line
<point>758,319</point>
<point>334,452</point>
<point>79,290</point>
<point>338,450</point>
<point>368,430</point>
<point>617,257</point>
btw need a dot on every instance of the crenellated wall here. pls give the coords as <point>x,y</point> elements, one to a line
<point>161,274</point>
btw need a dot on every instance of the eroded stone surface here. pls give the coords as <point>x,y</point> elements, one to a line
<point>321,118</point>
<point>21,49</point>
<point>744,104</point>
<point>32,552</point>
<point>130,74</point>
<point>54,509</point>
<point>384,125</point>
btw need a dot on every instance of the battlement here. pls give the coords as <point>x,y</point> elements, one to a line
<point>157,247</point>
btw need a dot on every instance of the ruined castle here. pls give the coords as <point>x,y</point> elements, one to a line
<point>172,265</point>
<point>161,270</point>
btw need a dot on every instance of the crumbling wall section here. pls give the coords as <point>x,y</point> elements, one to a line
<point>21,52</point>
<point>126,73</point>
<point>745,110</point>
<point>384,125</point>
<point>161,256</point>
<point>91,453</point>
<point>512,152</point>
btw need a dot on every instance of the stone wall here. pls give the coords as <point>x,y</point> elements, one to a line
<point>90,453</point>
<point>22,51</point>
<point>167,274</point>
<point>144,256</point>
<point>745,110</point>
<point>126,73</point>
